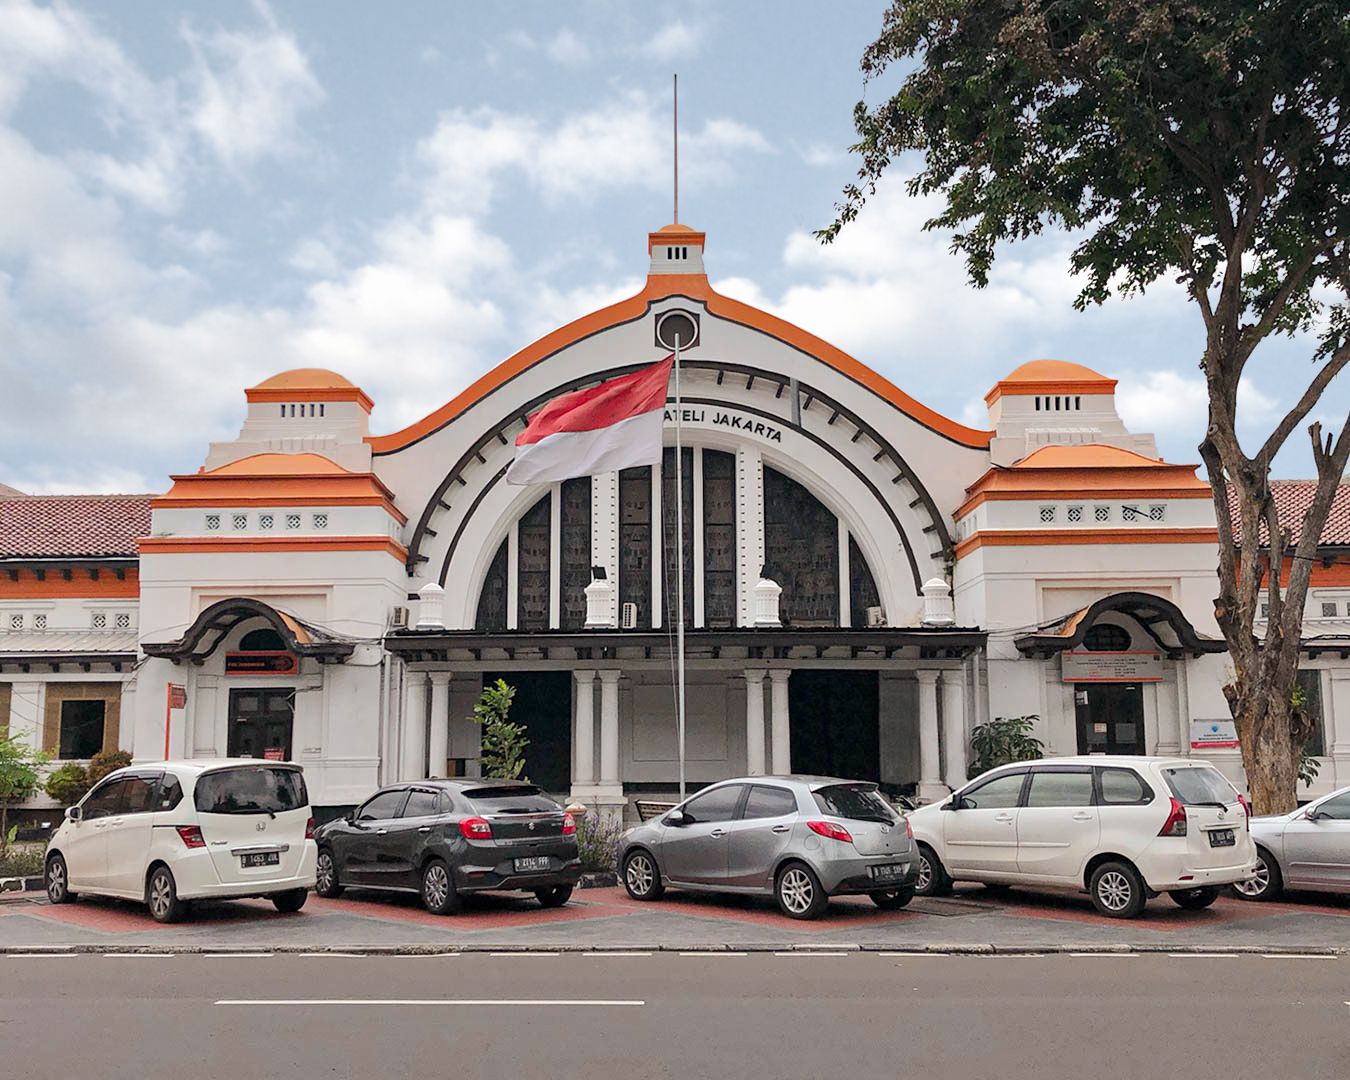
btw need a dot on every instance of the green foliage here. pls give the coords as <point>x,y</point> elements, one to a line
<point>105,762</point>
<point>504,742</point>
<point>20,775</point>
<point>1308,766</point>
<point>1001,740</point>
<point>22,860</point>
<point>598,843</point>
<point>68,784</point>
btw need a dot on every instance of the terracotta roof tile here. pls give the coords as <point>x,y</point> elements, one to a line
<point>1291,502</point>
<point>72,526</point>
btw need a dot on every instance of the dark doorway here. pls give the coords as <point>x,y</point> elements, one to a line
<point>835,723</point>
<point>1110,718</point>
<point>543,703</point>
<point>260,724</point>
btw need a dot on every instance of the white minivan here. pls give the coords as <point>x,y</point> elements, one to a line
<point>1123,828</point>
<point>175,831</point>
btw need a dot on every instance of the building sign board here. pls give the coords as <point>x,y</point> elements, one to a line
<point>1111,667</point>
<point>727,418</point>
<point>261,663</point>
<point>1214,735</point>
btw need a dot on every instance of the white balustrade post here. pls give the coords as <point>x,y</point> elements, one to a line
<point>430,607</point>
<point>754,721</point>
<point>609,728</point>
<point>954,725</point>
<point>583,742</point>
<point>440,723</point>
<point>930,767</point>
<point>780,720</point>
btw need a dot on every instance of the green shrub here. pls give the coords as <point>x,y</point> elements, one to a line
<point>20,777</point>
<point>105,762</point>
<point>68,784</point>
<point>598,843</point>
<point>1001,740</point>
<point>22,860</point>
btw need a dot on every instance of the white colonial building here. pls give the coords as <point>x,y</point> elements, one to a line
<point>866,579</point>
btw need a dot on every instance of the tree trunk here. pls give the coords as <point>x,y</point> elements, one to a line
<point>1270,752</point>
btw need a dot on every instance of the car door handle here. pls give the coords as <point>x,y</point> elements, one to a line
<point>1082,817</point>
<point>381,832</point>
<point>424,828</point>
<point>1005,818</point>
<point>781,828</point>
<point>718,832</point>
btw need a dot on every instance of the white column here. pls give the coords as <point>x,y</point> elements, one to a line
<point>605,534</point>
<point>749,529</point>
<point>754,721</point>
<point>609,728</point>
<point>440,723</point>
<point>930,769</point>
<point>954,724</point>
<point>513,576</point>
<point>555,558</point>
<point>782,733</point>
<point>658,534</point>
<point>415,726</point>
<point>1167,719</point>
<point>845,578</point>
<point>698,537</point>
<point>583,741</point>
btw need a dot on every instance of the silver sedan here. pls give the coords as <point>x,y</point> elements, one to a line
<point>800,839</point>
<point>1306,849</point>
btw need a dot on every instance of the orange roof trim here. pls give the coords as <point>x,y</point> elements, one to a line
<point>311,384</point>
<point>676,234</point>
<point>1069,537</point>
<point>696,287</point>
<point>1050,377</point>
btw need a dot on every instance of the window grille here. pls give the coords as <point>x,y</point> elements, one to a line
<point>212,522</point>
<point>1075,514</point>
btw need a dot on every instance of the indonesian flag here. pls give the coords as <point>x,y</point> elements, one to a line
<point>615,425</point>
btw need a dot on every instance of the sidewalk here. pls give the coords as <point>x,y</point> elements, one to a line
<point>607,919</point>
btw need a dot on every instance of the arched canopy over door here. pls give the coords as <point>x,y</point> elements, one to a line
<point>214,624</point>
<point>1163,621</point>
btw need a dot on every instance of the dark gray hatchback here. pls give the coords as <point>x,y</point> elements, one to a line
<point>445,838</point>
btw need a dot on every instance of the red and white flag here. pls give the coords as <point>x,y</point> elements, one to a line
<point>615,425</point>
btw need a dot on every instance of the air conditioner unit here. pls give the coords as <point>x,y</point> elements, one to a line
<point>628,618</point>
<point>875,617</point>
<point>398,618</point>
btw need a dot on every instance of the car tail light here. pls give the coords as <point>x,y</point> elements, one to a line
<point>309,829</point>
<point>475,828</point>
<point>1245,805</point>
<point>1175,825</point>
<point>831,830</point>
<point>191,835</point>
<point>569,825</point>
<point>909,829</point>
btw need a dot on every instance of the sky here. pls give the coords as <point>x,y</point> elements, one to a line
<point>194,196</point>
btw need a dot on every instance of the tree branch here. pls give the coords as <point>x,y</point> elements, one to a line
<point>1296,415</point>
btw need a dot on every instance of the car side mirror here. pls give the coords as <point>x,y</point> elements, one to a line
<point>954,803</point>
<point>74,813</point>
<point>350,816</point>
<point>1315,815</point>
<point>678,817</point>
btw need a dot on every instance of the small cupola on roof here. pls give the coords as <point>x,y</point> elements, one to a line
<point>303,411</point>
<point>676,249</point>
<point>1057,402</point>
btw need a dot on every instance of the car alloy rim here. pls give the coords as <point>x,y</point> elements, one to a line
<point>437,885</point>
<point>925,878</point>
<point>56,880</point>
<point>1258,884</point>
<point>640,874</point>
<point>325,871</point>
<point>1113,890</point>
<point>796,891</point>
<point>159,894</point>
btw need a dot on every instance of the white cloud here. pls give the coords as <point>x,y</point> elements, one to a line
<point>249,89</point>
<point>568,49</point>
<point>674,41</point>
<point>1175,404</point>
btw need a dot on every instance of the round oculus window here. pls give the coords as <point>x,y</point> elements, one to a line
<point>1107,637</point>
<point>673,325</point>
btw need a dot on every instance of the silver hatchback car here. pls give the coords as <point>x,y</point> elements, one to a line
<point>800,839</point>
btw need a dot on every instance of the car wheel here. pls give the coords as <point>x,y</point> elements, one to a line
<point>1268,883</point>
<point>290,900</point>
<point>799,892</point>
<point>58,882</point>
<point>892,899</point>
<point>161,896</point>
<point>1117,890</point>
<point>326,882</point>
<point>556,896</point>
<point>1195,899</point>
<point>932,879</point>
<point>438,889</point>
<point>641,876</point>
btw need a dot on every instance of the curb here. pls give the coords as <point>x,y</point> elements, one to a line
<point>21,884</point>
<point>436,949</point>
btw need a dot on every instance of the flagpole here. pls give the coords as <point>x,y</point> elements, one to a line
<point>679,566</point>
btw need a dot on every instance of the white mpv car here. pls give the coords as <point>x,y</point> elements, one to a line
<point>1123,828</point>
<point>171,832</point>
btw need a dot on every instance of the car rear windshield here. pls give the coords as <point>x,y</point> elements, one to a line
<point>516,799</point>
<point>857,801</point>
<point>260,789</point>
<point>1197,785</point>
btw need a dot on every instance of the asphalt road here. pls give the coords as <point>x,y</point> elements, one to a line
<point>525,1016</point>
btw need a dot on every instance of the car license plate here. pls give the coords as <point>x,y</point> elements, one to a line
<point>532,862</point>
<point>260,858</point>
<point>889,872</point>
<point>1221,838</point>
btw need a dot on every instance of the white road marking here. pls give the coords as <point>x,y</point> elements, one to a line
<point>506,954</point>
<point>314,954</point>
<point>609,954</point>
<point>41,956</point>
<point>139,955</point>
<point>1111,955</point>
<point>1298,956</point>
<point>712,953</point>
<point>1204,955</point>
<point>531,1002</point>
<point>907,954</point>
<point>804,953</point>
<point>236,955</point>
